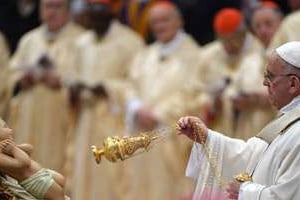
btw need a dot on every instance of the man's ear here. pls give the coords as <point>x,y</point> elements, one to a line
<point>295,84</point>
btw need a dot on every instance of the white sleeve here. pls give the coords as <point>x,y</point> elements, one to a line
<point>231,157</point>
<point>249,190</point>
<point>286,182</point>
<point>196,157</point>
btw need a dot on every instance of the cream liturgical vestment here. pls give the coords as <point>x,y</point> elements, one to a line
<point>272,158</point>
<point>289,30</point>
<point>40,115</point>
<point>162,78</point>
<point>102,61</point>
<point>244,75</point>
<point>4,59</point>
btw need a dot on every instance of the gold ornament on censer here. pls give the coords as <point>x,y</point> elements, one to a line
<point>117,148</point>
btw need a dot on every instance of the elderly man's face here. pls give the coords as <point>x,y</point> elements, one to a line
<point>265,23</point>
<point>233,42</point>
<point>278,82</point>
<point>54,13</point>
<point>99,18</point>
<point>164,24</point>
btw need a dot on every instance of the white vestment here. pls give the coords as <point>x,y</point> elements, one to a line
<point>274,166</point>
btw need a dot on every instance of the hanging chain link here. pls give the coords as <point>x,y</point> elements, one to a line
<point>198,134</point>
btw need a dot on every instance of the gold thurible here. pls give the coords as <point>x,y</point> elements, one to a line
<point>117,148</point>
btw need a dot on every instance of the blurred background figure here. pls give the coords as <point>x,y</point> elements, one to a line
<point>290,26</point>
<point>135,14</point>
<point>39,69</point>
<point>161,77</point>
<point>198,16</point>
<point>103,54</point>
<point>265,21</point>
<point>4,60</point>
<point>238,102</point>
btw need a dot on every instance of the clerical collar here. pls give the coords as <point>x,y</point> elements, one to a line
<point>51,36</point>
<point>168,48</point>
<point>111,29</point>
<point>293,104</point>
<point>232,59</point>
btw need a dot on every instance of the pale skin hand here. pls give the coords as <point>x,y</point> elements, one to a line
<point>13,161</point>
<point>12,150</point>
<point>8,147</point>
<point>52,79</point>
<point>2,145</point>
<point>233,190</point>
<point>185,127</point>
<point>6,133</point>
<point>146,119</point>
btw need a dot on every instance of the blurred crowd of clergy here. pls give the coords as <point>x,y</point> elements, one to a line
<point>82,76</point>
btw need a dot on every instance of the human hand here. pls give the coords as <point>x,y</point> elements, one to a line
<point>74,93</point>
<point>27,80</point>
<point>187,126</point>
<point>9,146</point>
<point>243,102</point>
<point>233,190</point>
<point>100,91</point>
<point>217,103</point>
<point>146,119</point>
<point>2,145</point>
<point>52,79</point>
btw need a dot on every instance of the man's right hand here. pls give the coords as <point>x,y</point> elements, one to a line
<point>52,79</point>
<point>100,91</point>
<point>146,119</point>
<point>74,93</point>
<point>186,126</point>
<point>27,80</point>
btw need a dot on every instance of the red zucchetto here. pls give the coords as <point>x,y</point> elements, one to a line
<point>227,20</point>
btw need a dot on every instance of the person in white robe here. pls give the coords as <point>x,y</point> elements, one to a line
<point>4,60</point>
<point>160,96</point>
<point>265,21</point>
<point>38,71</point>
<point>103,54</point>
<point>271,159</point>
<point>233,78</point>
<point>289,29</point>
